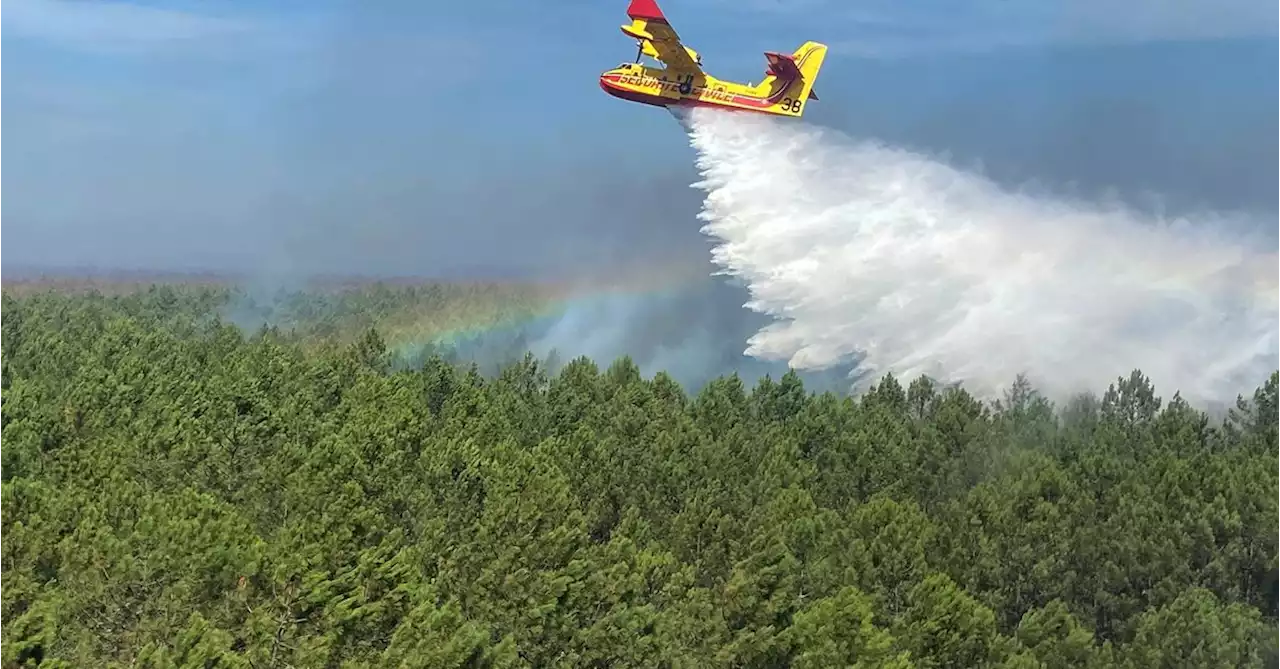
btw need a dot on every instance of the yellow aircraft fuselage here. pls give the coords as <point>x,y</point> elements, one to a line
<point>786,88</point>
<point>656,86</point>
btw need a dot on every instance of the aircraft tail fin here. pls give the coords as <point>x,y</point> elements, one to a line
<point>797,72</point>
<point>808,59</point>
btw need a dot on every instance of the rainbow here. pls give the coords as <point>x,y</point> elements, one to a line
<point>530,307</point>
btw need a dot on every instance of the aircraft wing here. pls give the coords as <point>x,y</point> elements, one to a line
<point>650,26</point>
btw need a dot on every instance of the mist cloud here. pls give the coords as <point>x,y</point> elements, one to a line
<point>866,253</point>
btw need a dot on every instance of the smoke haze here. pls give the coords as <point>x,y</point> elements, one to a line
<point>693,333</point>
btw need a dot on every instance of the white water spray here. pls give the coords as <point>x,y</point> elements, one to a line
<point>859,250</point>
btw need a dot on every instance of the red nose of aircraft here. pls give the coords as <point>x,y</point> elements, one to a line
<point>609,84</point>
<point>604,84</point>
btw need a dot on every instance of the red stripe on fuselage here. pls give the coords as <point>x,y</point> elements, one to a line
<point>609,84</point>
<point>634,96</point>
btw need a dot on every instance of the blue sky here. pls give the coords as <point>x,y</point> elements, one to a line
<point>438,138</point>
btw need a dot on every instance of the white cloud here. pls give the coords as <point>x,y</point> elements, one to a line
<point>1146,20</point>
<point>116,27</point>
<point>885,28</point>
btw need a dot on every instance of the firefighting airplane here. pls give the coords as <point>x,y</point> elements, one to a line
<point>787,85</point>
